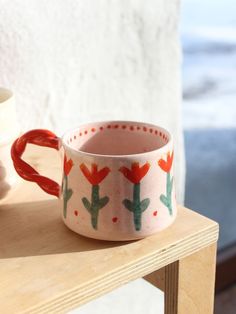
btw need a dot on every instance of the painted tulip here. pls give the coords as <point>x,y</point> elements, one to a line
<point>94,177</point>
<point>166,166</point>
<point>67,193</point>
<point>137,207</point>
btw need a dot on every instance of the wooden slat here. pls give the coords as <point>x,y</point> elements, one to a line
<point>190,282</point>
<point>172,288</point>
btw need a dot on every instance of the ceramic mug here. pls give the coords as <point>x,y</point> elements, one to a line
<point>9,130</point>
<point>117,178</point>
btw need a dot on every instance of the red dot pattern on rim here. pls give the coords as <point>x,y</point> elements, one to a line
<point>124,127</point>
<point>155,213</point>
<point>76,212</point>
<point>114,219</point>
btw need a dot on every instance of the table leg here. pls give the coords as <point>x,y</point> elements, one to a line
<point>157,278</point>
<point>189,283</point>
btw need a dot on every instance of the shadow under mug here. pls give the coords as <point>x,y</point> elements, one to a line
<point>117,178</point>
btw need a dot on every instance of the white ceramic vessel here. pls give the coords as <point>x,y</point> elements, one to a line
<point>9,129</point>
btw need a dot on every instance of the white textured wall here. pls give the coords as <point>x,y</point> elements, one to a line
<point>75,61</point>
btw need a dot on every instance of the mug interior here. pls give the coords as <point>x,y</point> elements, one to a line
<point>117,138</point>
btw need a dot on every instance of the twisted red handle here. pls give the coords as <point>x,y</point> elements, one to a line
<point>41,138</point>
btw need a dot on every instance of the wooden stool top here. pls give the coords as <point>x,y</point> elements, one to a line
<point>46,267</point>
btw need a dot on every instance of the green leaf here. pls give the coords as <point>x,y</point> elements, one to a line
<point>128,204</point>
<point>144,204</point>
<point>68,193</point>
<point>103,202</point>
<point>87,204</point>
<point>164,200</point>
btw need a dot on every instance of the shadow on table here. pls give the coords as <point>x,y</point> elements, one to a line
<point>36,228</point>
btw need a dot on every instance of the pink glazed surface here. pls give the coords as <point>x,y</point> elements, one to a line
<point>108,149</point>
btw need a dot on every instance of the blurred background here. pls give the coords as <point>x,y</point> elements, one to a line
<point>208,36</point>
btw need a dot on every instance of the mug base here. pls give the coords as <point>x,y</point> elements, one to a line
<point>115,237</point>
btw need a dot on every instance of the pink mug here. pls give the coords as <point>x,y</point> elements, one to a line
<point>117,178</point>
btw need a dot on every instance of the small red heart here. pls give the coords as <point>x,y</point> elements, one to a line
<point>76,212</point>
<point>155,213</point>
<point>115,219</point>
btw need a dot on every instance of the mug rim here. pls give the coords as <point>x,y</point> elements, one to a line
<point>141,123</point>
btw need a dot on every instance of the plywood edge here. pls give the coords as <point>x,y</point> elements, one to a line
<point>124,274</point>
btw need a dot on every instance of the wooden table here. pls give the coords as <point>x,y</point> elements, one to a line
<point>46,268</point>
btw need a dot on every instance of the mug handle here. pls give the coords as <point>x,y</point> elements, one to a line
<point>42,138</point>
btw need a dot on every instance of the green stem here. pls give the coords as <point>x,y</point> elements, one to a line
<point>168,192</point>
<point>65,187</point>
<point>166,199</point>
<point>136,207</point>
<point>95,205</point>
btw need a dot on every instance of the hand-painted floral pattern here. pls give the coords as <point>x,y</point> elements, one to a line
<point>166,166</point>
<point>137,207</point>
<point>136,173</point>
<point>67,193</point>
<point>68,164</point>
<point>95,177</point>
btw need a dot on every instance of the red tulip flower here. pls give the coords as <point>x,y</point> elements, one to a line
<point>136,173</point>
<point>67,192</point>
<point>94,176</point>
<point>68,164</point>
<point>166,165</point>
